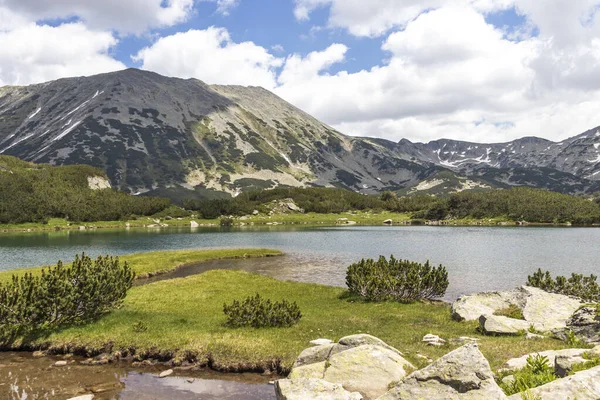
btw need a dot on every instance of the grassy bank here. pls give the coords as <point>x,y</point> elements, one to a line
<point>156,263</point>
<point>183,320</point>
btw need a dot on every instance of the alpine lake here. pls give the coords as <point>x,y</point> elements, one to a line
<point>477,259</point>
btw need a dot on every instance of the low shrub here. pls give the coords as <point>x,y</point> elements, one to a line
<point>257,312</point>
<point>397,280</point>
<point>584,287</point>
<point>536,373</point>
<point>62,295</point>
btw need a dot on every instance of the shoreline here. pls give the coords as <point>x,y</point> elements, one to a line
<point>308,220</point>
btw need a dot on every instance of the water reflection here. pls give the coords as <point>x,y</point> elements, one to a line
<point>24,377</point>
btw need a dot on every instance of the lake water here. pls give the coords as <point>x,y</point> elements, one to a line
<point>477,258</point>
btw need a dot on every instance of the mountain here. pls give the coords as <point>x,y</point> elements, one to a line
<point>154,134</point>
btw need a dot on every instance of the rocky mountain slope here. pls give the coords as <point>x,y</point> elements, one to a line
<point>150,132</point>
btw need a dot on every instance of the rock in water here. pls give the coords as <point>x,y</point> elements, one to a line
<point>461,374</point>
<point>312,389</point>
<point>194,224</point>
<point>584,385</point>
<point>166,373</point>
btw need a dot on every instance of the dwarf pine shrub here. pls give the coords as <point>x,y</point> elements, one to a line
<point>584,287</point>
<point>62,295</point>
<point>257,312</point>
<point>398,280</point>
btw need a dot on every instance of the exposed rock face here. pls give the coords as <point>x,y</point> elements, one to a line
<point>585,324</point>
<point>497,325</point>
<point>461,374</point>
<point>98,183</point>
<point>576,355</point>
<point>312,389</point>
<point>584,385</point>
<point>360,363</point>
<point>147,131</point>
<point>545,311</point>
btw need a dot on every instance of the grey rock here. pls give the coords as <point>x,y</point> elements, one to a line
<point>563,365</point>
<point>546,311</point>
<point>497,325</point>
<point>520,362</point>
<point>362,339</point>
<point>84,397</point>
<point>585,324</point>
<point>313,355</point>
<point>194,224</point>
<point>60,363</point>
<point>166,373</point>
<point>368,369</point>
<point>433,340</point>
<point>321,341</point>
<point>388,222</point>
<point>312,389</point>
<point>461,374</point>
<point>534,336</point>
<point>584,385</point>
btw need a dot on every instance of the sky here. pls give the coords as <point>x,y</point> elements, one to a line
<point>475,70</point>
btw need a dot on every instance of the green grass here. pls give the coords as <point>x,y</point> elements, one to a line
<point>155,263</point>
<point>185,317</point>
<point>360,217</point>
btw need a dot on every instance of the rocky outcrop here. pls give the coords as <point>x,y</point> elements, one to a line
<point>545,311</point>
<point>584,385</point>
<point>360,363</point>
<point>585,324</point>
<point>98,183</point>
<point>312,389</point>
<point>461,374</point>
<point>575,355</point>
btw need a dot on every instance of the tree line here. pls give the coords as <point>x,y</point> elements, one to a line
<point>36,193</point>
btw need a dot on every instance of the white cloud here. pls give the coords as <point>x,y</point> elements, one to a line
<point>450,74</point>
<point>298,69</point>
<point>376,17</point>
<point>125,16</point>
<point>32,53</point>
<point>224,6</point>
<point>211,55</point>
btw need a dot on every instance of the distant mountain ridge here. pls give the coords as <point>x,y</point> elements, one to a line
<point>150,132</point>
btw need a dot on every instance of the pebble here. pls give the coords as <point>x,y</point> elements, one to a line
<point>60,363</point>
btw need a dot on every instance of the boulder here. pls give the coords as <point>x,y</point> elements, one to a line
<point>461,374</point>
<point>368,369</point>
<point>312,389</point>
<point>594,353</point>
<point>359,363</point>
<point>194,224</point>
<point>388,222</point>
<point>519,363</point>
<point>320,342</point>
<point>433,340</point>
<point>497,325</point>
<point>362,339</point>
<point>585,324</point>
<point>546,311</point>
<point>60,363</point>
<point>563,365</point>
<point>471,307</point>
<point>84,397</point>
<point>309,371</point>
<point>584,385</point>
<point>166,373</point>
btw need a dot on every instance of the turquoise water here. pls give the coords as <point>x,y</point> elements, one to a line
<point>477,258</point>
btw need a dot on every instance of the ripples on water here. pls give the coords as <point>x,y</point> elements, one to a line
<point>477,258</point>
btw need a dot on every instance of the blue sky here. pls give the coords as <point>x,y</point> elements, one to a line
<point>478,70</point>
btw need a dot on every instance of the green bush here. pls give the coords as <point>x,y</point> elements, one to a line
<point>584,287</point>
<point>398,280</point>
<point>62,295</point>
<point>536,373</point>
<point>258,313</point>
